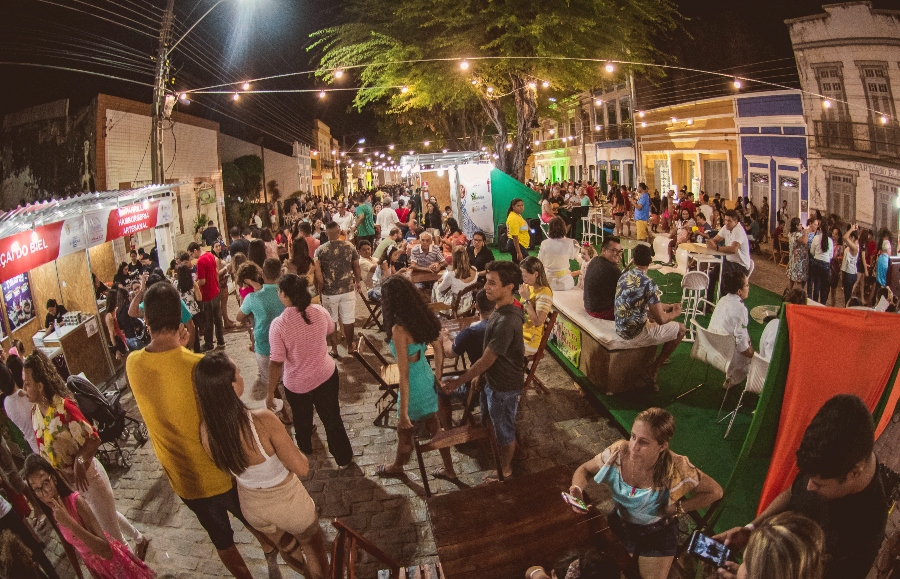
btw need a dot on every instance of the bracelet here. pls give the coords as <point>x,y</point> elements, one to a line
<point>531,576</point>
<point>750,526</point>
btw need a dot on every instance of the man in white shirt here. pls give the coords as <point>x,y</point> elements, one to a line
<point>344,219</point>
<point>736,244</point>
<point>385,220</point>
<point>730,318</point>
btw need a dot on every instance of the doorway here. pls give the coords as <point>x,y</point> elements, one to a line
<point>789,190</point>
<point>759,188</point>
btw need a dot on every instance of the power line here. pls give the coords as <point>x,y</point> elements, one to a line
<point>133,29</point>
<point>33,64</point>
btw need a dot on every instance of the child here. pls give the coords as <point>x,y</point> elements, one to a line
<point>105,557</point>
<point>248,280</point>
<point>587,254</point>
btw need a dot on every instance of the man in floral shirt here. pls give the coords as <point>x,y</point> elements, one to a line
<point>637,299</point>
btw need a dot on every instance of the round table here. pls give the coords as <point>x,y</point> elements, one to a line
<point>760,313</point>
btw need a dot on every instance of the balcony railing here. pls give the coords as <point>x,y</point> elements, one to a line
<point>608,133</point>
<point>865,139</point>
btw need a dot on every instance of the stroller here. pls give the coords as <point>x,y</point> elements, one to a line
<point>105,412</point>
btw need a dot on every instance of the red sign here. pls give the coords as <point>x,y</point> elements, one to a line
<point>27,250</point>
<point>131,219</point>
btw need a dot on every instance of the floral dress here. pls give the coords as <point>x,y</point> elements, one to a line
<point>798,257</point>
<point>123,563</point>
<point>61,432</point>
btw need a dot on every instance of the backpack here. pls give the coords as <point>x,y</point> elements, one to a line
<point>502,238</point>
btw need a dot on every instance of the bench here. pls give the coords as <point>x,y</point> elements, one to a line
<point>612,364</point>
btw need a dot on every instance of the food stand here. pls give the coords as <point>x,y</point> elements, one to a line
<point>50,250</point>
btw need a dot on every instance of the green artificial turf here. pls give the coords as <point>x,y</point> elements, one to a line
<point>697,433</point>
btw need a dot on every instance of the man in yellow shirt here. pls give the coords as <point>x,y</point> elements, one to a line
<point>517,230</point>
<point>161,380</point>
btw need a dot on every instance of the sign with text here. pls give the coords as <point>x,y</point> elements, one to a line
<point>27,250</point>
<point>131,219</point>
<point>19,305</point>
<point>568,339</point>
<point>476,203</point>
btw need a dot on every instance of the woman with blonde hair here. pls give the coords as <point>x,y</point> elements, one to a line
<point>457,278</point>
<point>556,253</point>
<point>786,546</point>
<point>649,484</point>
<point>537,300</point>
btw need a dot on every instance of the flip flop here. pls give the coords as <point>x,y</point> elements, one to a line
<point>492,478</point>
<point>442,475</point>
<point>140,549</point>
<point>383,472</point>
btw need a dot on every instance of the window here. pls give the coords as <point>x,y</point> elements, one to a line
<point>612,113</point>
<point>715,178</point>
<point>831,86</point>
<point>842,195</point>
<point>886,212</point>
<point>878,89</point>
<point>625,108</point>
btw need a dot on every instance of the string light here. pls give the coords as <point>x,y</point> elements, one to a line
<point>490,89</point>
<point>545,84</point>
<point>737,83</point>
<point>690,121</point>
<point>404,89</point>
<point>552,131</point>
<point>390,147</point>
<point>246,86</point>
<point>532,85</point>
<point>464,65</point>
<point>641,114</point>
<point>360,149</point>
<point>598,127</point>
<point>674,120</point>
<point>598,102</point>
<point>884,120</point>
<point>412,152</point>
<point>826,103</point>
<point>427,143</point>
<point>235,96</point>
<point>338,73</point>
<point>536,142</point>
<point>643,125</point>
<point>322,94</point>
<point>183,96</point>
<point>508,146</point>
<point>609,67</point>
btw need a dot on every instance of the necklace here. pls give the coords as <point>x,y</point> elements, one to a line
<point>637,485</point>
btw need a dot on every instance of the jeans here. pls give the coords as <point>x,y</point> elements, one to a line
<point>502,407</point>
<point>212,319</point>
<point>849,280</point>
<point>819,280</point>
<point>324,399</point>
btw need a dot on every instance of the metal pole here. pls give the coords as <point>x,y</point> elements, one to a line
<point>159,95</point>
<point>262,151</point>
<point>634,139</point>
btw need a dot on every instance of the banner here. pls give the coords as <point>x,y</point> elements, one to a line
<point>568,339</point>
<point>476,206</point>
<point>27,250</point>
<point>17,296</point>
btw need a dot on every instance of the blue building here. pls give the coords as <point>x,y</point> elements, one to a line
<point>773,152</point>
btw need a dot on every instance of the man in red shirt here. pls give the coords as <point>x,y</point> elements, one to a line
<point>687,202</point>
<point>210,305</point>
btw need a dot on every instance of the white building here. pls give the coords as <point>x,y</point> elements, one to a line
<point>849,64</point>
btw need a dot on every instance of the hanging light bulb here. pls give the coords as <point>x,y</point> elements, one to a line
<point>598,102</point>
<point>532,85</point>
<point>183,96</point>
<point>552,131</point>
<point>338,73</point>
<point>427,143</point>
<point>508,146</point>
<point>360,149</point>
<point>826,103</point>
<point>609,67</point>
<point>246,86</point>
<point>235,96</point>
<point>737,83</point>
<point>412,152</point>
<point>490,90</point>
<point>884,120</point>
<point>404,90</point>
<point>321,94</point>
<point>641,114</point>
<point>464,65</point>
<point>643,125</point>
<point>545,84</point>
<point>598,127</point>
<point>390,147</point>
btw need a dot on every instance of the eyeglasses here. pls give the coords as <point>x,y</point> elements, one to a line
<point>45,488</point>
<point>619,251</point>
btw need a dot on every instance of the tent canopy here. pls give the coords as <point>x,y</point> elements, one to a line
<point>504,189</point>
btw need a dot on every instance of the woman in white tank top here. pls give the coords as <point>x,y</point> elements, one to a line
<point>256,448</point>
<point>850,264</point>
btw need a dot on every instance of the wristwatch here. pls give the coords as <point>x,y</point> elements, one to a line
<point>80,460</point>
<point>679,508</point>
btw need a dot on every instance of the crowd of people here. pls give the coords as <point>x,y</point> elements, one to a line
<point>297,289</point>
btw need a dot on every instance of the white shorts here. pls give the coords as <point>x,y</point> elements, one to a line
<point>342,307</point>
<point>654,334</point>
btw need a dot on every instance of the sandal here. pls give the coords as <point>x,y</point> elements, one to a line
<point>140,549</point>
<point>492,478</point>
<point>383,472</point>
<point>442,475</point>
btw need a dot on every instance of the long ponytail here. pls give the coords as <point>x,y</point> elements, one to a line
<point>296,288</point>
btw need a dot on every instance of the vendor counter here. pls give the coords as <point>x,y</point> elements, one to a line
<point>81,348</point>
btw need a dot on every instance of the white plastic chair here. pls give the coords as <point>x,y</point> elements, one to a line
<point>682,257</point>
<point>589,232</point>
<point>756,379</point>
<point>660,251</point>
<point>714,350</point>
<point>693,299</point>
<point>750,271</point>
<point>545,228</point>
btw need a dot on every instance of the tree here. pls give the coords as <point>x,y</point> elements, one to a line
<point>242,182</point>
<point>513,47</point>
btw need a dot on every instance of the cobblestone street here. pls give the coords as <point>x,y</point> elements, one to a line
<point>562,428</point>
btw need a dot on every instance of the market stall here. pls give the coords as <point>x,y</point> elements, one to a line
<point>53,250</point>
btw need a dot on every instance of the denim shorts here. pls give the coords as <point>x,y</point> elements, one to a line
<point>212,512</point>
<point>502,407</point>
<point>659,539</point>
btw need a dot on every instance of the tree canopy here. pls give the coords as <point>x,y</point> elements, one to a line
<point>511,47</point>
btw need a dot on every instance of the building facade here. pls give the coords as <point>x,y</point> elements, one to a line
<point>590,138</point>
<point>848,59</point>
<point>693,145</point>
<point>772,145</point>
<point>324,161</point>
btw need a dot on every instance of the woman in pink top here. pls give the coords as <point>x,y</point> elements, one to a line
<point>104,556</point>
<point>299,358</point>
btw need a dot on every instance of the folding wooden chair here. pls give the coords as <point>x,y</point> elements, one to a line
<point>374,309</point>
<point>387,376</point>
<point>472,290</point>
<point>454,437</point>
<point>343,554</point>
<point>532,361</point>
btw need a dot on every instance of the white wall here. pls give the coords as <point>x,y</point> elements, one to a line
<point>189,156</point>
<point>279,167</point>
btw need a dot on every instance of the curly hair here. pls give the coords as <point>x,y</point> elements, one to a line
<point>249,270</point>
<point>403,305</point>
<point>43,372</point>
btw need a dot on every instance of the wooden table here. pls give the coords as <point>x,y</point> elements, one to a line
<point>422,276</point>
<point>760,313</point>
<point>498,530</point>
<point>628,246</point>
<point>703,249</point>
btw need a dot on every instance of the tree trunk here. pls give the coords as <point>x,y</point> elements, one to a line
<point>526,110</point>
<point>494,110</point>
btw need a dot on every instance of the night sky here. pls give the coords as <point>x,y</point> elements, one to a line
<point>251,38</point>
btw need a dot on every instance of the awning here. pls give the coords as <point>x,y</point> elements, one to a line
<point>39,233</point>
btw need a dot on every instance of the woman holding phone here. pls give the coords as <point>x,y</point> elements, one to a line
<point>648,483</point>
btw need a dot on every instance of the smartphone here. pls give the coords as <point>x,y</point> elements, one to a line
<point>575,502</point>
<point>708,549</point>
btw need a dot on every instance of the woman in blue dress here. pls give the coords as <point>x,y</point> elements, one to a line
<point>411,326</point>
<point>649,484</point>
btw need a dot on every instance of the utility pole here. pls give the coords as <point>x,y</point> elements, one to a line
<point>262,155</point>
<point>634,137</point>
<point>159,94</point>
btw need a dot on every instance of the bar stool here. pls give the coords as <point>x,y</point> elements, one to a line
<point>589,232</point>
<point>693,300</point>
